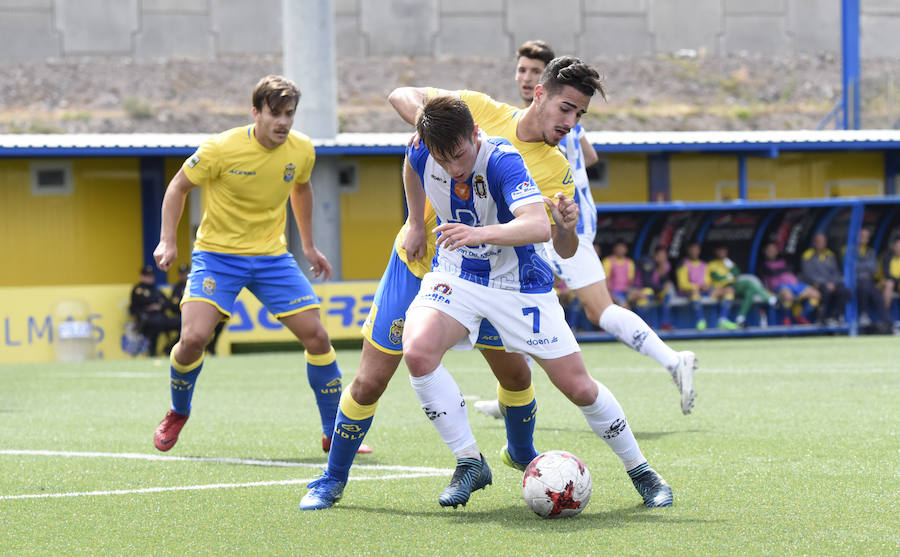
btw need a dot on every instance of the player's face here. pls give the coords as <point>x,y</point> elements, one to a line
<point>460,162</point>
<point>771,251</point>
<point>558,114</point>
<point>528,73</point>
<point>273,125</point>
<point>693,252</point>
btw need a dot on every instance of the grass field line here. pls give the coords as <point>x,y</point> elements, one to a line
<point>223,460</point>
<point>202,487</point>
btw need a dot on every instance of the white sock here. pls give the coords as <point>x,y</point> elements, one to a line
<point>443,403</point>
<point>607,420</point>
<point>631,330</point>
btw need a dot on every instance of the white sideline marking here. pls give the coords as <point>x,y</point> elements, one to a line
<point>406,472</point>
<point>245,461</point>
<point>208,486</point>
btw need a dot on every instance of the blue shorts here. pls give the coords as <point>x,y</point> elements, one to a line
<point>384,325</point>
<point>276,280</point>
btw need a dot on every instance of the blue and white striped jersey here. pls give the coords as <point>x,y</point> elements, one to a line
<point>587,219</point>
<point>499,184</point>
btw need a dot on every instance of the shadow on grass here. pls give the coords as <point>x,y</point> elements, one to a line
<point>518,517</point>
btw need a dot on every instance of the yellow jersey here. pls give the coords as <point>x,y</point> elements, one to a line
<point>548,166</point>
<point>246,188</point>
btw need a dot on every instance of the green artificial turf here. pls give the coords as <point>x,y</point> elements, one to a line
<point>792,449</point>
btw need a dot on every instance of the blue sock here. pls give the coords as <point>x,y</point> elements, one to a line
<point>348,436</point>
<point>519,412</point>
<point>325,381</point>
<point>183,378</point>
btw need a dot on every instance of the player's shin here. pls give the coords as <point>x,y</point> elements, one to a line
<point>351,426</point>
<point>183,378</point>
<point>325,381</point>
<point>633,331</point>
<point>444,405</point>
<point>607,420</point>
<point>519,410</point>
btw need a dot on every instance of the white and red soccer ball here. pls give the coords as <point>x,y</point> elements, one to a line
<point>556,485</point>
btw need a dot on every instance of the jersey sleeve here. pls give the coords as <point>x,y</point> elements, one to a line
<point>202,166</point>
<point>417,158</point>
<point>486,112</point>
<point>308,156</point>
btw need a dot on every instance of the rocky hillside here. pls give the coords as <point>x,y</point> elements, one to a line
<point>687,92</point>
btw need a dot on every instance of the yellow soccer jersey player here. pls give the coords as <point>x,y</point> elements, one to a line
<point>239,216</point>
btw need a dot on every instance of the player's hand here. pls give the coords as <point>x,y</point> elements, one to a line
<point>414,141</point>
<point>319,264</point>
<point>453,235</point>
<point>415,243</point>
<point>165,254</point>
<point>564,211</point>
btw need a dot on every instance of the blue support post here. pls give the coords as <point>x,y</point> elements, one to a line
<point>852,253</point>
<point>742,177</point>
<point>850,63</point>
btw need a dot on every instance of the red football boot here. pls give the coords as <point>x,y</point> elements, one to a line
<point>167,431</point>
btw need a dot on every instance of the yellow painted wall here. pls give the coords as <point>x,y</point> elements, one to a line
<point>627,180</point>
<point>371,217</point>
<point>90,236</point>
<point>794,175</point>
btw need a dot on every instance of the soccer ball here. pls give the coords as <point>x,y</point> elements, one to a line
<point>556,485</point>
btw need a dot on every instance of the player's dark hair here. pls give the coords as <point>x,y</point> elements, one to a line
<point>536,50</point>
<point>568,70</point>
<point>277,92</point>
<point>443,122</point>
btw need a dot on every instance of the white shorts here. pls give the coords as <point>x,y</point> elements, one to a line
<point>528,323</point>
<point>581,269</point>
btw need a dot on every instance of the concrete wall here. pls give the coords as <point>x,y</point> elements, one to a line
<point>38,29</point>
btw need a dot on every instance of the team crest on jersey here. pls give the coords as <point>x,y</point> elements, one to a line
<point>289,172</point>
<point>209,286</point>
<point>442,288</point>
<point>480,186</point>
<point>462,191</point>
<point>396,332</point>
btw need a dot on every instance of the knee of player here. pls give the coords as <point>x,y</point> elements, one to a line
<point>317,340</point>
<point>194,339</point>
<point>419,359</point>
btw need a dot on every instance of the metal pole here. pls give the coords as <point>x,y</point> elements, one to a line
<point>742,177</point>
<point>309,60</point>
<point>850,63</point>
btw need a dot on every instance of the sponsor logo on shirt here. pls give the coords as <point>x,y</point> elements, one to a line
<point>568,178</point>
<point>192,162</point>
<point>524,190</point>
<point>242,172</point>
<point>438,178</point>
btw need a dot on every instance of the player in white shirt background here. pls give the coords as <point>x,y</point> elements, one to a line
<point>583,272</point>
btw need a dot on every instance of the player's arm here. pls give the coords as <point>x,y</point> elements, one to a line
<point>172,208</point>
<point>302,206</point>
<point>531,226</point>
<point>414,243</point>
<point>407,101</point>
<point>590,155</point>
